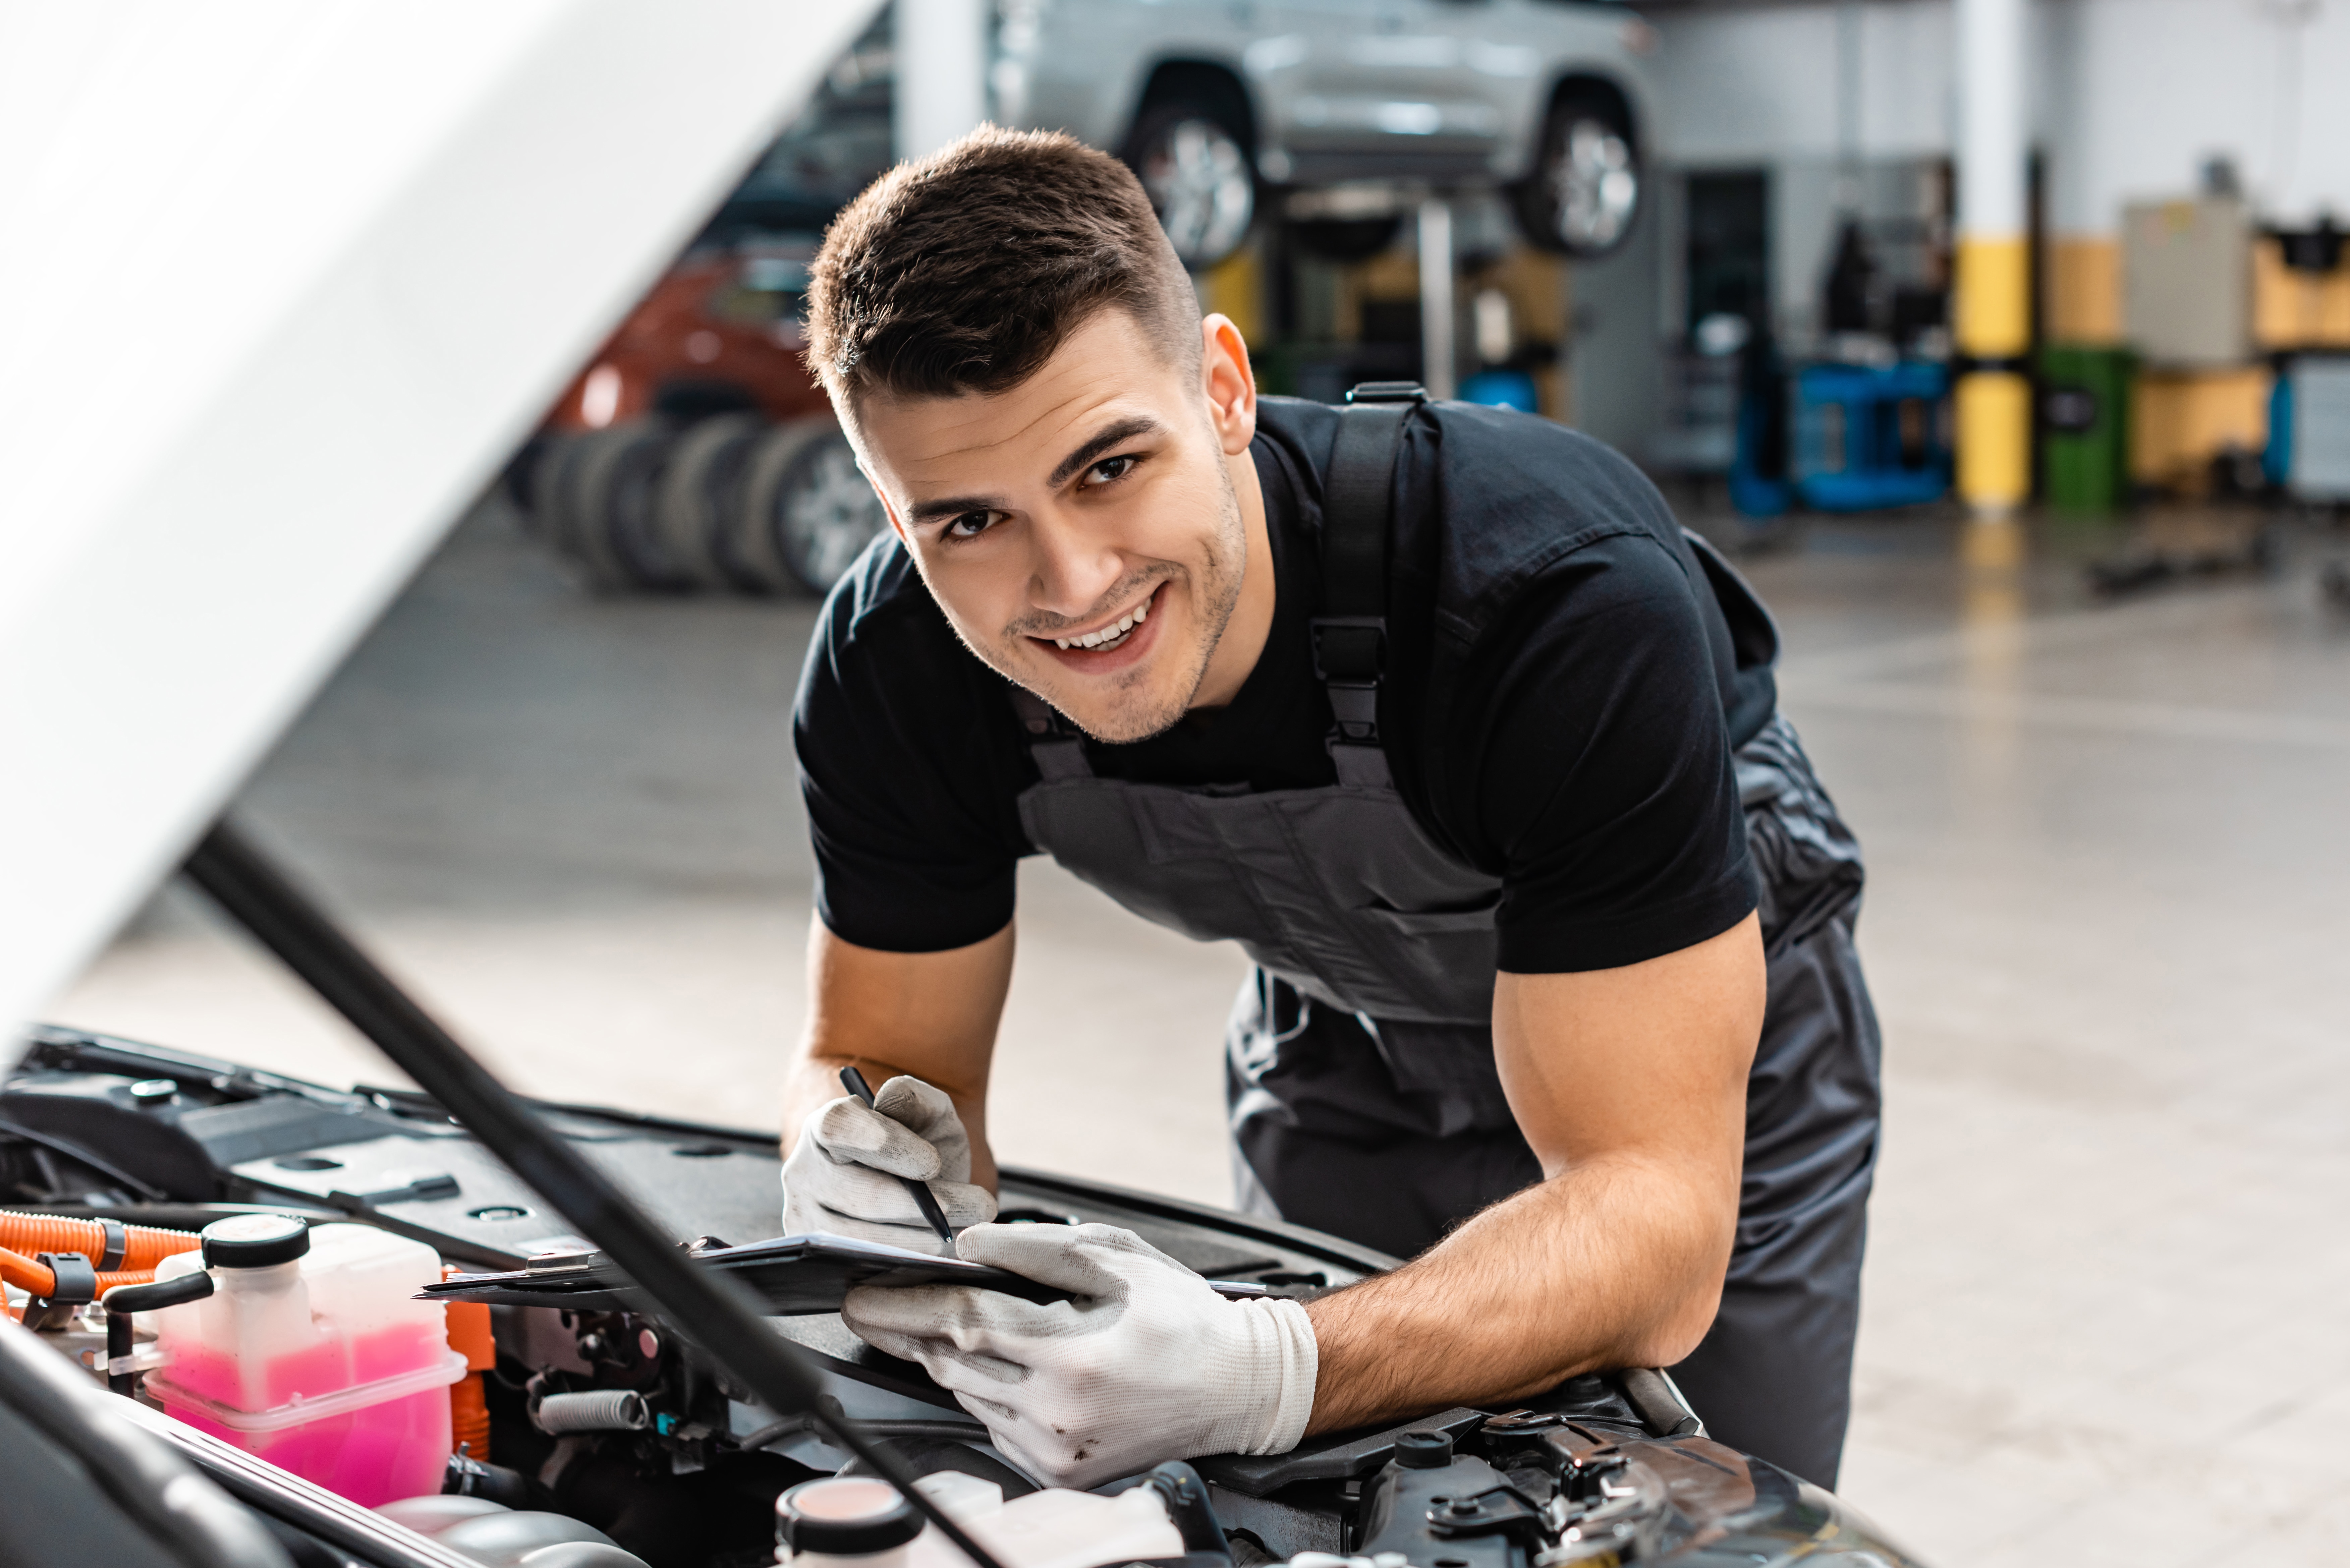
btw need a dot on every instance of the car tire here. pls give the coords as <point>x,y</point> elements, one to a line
<point>519,482</point>
<point>1193,158</point>
<point>806,511</point>
<point>699,494</point>
<point>561,511</point>
<point>1584,194</point>
<point>608,522</point>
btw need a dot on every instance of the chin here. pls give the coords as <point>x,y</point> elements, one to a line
<point>1123,718</point>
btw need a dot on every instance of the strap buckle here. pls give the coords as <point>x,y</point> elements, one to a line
<point>1350,649</point>
<point>1349,656</point>
<point>1387,392</point>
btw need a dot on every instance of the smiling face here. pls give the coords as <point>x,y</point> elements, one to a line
<point>1096,532</point>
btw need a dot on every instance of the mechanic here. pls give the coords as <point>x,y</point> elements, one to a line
<point>1437,711</point>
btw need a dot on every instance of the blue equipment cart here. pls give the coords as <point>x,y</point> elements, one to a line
<point>1862,437</point>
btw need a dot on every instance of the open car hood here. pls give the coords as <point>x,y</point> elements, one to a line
<point>284,283</point>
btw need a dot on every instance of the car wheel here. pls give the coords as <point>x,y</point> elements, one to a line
<point>807,512</point>
<point>608,522</point>
<point>568,507</point>
<point>698,491</point>
<point>1584,191</point>
<point>1195,166</point>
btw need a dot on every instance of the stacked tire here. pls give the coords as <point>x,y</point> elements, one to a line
<point>727,504</point>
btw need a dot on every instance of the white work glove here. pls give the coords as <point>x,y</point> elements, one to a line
<point>842,1176</point>
<point>1146,1365</point>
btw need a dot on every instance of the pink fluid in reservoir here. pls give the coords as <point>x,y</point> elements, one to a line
<point>321,1360</point>
<point>377,1455</point>
<point>328,1367</point>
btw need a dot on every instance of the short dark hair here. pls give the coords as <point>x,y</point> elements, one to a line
<point>962,273</point>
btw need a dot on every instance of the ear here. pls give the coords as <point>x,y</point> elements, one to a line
<point>1228,384</point>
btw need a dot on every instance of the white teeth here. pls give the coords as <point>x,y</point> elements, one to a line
<point>1109,636</point>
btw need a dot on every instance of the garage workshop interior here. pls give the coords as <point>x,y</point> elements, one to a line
<point>1199,783</point>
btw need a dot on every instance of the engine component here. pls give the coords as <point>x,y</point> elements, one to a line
<point>312,1352</point>
<point>124,1300</point>
<point>596,1410</point>
<point>75,1260</point>
<point>1429,1503</point>
<point>847,1516</point>
<point>498,1537</point>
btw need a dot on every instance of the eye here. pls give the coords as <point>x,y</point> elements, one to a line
<point>970,524</point>
<point>1111,470</point>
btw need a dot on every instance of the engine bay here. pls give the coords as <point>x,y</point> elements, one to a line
<point>615,1420</point>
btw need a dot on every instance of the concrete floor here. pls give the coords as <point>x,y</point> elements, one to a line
<point>2106,928</point>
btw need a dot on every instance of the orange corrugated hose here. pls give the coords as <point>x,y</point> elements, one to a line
<point>143,1248</point>
<point>469,1405</point>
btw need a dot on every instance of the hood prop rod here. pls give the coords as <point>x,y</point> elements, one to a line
<point>712,1309</point>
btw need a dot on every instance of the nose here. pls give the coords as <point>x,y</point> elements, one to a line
<point>1072,566</point>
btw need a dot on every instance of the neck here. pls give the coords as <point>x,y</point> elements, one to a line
<point>1242,643</point>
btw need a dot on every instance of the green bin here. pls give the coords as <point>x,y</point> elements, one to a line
<point>2085,421</point>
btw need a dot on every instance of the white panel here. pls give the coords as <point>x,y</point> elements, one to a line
<point>1757,84</point>
<point>285,279</point>
<point>940,53</point>
<point>2128,97</point>
<point>2164,84</point>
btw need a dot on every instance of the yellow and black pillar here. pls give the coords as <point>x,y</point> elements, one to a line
<point>1992,308</point>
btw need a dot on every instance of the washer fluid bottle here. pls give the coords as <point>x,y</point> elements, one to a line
<point>313,1353</point>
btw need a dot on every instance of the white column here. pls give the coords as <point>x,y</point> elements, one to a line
<point>1436,351</point>
<point>1992,303</point>
<point>941,55</point>
<point>1990,118</point>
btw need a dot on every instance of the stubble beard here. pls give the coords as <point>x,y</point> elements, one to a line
<point>1132,712</point>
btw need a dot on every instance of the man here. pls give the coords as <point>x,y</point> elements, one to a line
<point>1433,708</point>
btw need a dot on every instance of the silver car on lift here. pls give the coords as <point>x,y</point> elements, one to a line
<point>1345,101</point>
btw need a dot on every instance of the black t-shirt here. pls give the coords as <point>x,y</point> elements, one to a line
<point>1567,682</point>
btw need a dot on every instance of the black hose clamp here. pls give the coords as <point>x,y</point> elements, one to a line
<point>76,1285</point>
<point>118,1246</point>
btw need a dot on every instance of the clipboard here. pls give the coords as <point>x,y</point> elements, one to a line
<point>793,1276</point>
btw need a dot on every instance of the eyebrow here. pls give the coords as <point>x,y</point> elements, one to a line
<point>1084,457</point>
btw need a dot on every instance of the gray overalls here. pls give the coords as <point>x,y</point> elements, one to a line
<point>1364,1095</point>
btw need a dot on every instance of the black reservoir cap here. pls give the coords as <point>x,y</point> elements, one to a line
<point>254,1240</point>
<point>844,1516</point>
<point>1424,1451</point>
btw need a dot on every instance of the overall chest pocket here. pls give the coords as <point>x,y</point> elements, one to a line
<point>1440,960</point>
<point>1418,923</point>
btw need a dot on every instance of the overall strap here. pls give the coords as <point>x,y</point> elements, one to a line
<point>1052,742</point>
<point>1350,634</point>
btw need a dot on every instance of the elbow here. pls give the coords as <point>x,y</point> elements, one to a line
<point>1682,1313</point>
<point>1674,1335</point>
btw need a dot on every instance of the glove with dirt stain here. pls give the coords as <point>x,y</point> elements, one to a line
<point>1146,1362</point>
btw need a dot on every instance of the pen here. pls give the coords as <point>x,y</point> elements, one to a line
<point>854,1082</point>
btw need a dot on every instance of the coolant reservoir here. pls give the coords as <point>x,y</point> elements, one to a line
<point>313,1353</point>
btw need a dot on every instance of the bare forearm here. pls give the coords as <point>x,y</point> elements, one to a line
<point>1617,1262</point>
<point>930,1015</point>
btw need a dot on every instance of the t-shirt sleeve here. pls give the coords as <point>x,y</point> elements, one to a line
<point>1604,789</point>
<point>908,775</point>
